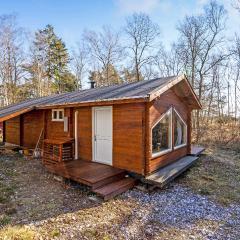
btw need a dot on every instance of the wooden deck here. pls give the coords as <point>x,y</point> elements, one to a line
<point>196,150</point>
<point>171,171</point>
<point>104,180</point>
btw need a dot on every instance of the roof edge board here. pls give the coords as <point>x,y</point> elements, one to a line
<point>158,91</point>
<point>16,114</point>
<point>103,101</point>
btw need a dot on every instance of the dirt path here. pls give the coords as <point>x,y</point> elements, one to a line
<point>35,206</point>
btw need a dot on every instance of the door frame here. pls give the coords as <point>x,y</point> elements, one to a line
<point>93,132</point>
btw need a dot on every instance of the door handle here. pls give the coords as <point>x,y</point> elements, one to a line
<point>95,138</point>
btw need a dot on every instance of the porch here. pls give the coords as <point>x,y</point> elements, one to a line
<point>106,181</point>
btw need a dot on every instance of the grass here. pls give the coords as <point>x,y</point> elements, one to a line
<point>7,188</point>
<point>217,175</point>
<point>55,233</point>
<point>6,192</point>
<point>4,220</point>
<point>16,233</point>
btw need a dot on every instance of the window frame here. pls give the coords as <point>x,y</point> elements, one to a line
<point>172,147</point>
<point>186,132</point>
<point>57,119</point>
<point>154,155</point>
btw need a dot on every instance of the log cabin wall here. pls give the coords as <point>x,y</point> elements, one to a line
<point>55,129</point>
<point>84,129</point>
<point>128,135</point>
<point>32,125</point>
<point>12,130</point>
<point>156,109</point>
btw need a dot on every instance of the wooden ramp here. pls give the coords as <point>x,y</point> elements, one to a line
<point>196,150</point>
<point>171,171</point>
<point>104,180</point>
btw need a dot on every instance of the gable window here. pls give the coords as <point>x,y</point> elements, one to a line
<point>162,135</point>
<point>57,115</point>
<point>180,130</point>
<point>169,133</point>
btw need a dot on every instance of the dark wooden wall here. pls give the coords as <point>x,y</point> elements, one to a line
<point>156,109</point>
<point>128,135</point>
<point>12,131</point>
<point>32,125</point>
<point>85,133</point>
<point>55,129</point>
<point>25,129</point>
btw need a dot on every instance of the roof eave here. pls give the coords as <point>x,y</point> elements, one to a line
<point>16,114</point>
<point>96,102</point>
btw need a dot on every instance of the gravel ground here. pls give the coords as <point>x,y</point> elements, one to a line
<point>56,210</point>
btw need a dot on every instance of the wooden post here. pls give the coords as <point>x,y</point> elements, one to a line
<point>147,139</point>
<point>45,123</point>
<point>189,131</point>
<point>4,132</point>
<point>76,133</point>
<point>21,125</point>
<point>70,122</point>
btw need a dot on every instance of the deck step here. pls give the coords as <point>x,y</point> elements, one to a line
<point>115,188</point>
<point>108,180</point>
<point>196,150</point>
<point>171,171</point>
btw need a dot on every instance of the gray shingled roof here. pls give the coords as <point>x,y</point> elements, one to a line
<point>122,91</point>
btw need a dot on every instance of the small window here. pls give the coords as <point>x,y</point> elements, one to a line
<point>57,115</point>
<point>60,115</point>
<point>162,135</point>
<point>180,130</point>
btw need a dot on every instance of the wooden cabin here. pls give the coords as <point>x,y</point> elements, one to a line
<point>136,127</point>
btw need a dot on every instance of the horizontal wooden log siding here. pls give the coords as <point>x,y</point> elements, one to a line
<point>55,129</point>
<point>128,135</point>
<point>12,131</point>
<point>84,129</point>
<point>32,125</point>
<point>156,109</point>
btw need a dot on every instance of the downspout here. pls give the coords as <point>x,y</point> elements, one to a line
<point>76,133</point>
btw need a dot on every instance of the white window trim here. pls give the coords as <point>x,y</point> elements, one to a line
<point>184,144</point>
<point>154,155</point>
<point>57,119</point>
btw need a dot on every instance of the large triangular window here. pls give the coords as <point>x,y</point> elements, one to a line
<point>162,134</point>
<point>180,130</point>
<point>170,132</point>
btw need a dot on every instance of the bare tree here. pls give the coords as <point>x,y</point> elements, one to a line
<point>105,49</point>
<point>236,72</point>
<point>142,34</point>
<point>201,41</point>
<point>236,4</point>
<point>79,63</point>
<point>11,57</point>
<point>169,63</point>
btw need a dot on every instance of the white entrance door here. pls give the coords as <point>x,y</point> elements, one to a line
<point>102,135</point>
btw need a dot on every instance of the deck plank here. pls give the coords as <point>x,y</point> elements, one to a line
<point>171,171</point>
<point>196,150</point>
<point>84,171</point>
<point>117,187</point>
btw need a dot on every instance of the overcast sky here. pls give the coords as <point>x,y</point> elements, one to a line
<point>71,17</point>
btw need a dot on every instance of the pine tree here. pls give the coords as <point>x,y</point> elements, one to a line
<point>49,63</point>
